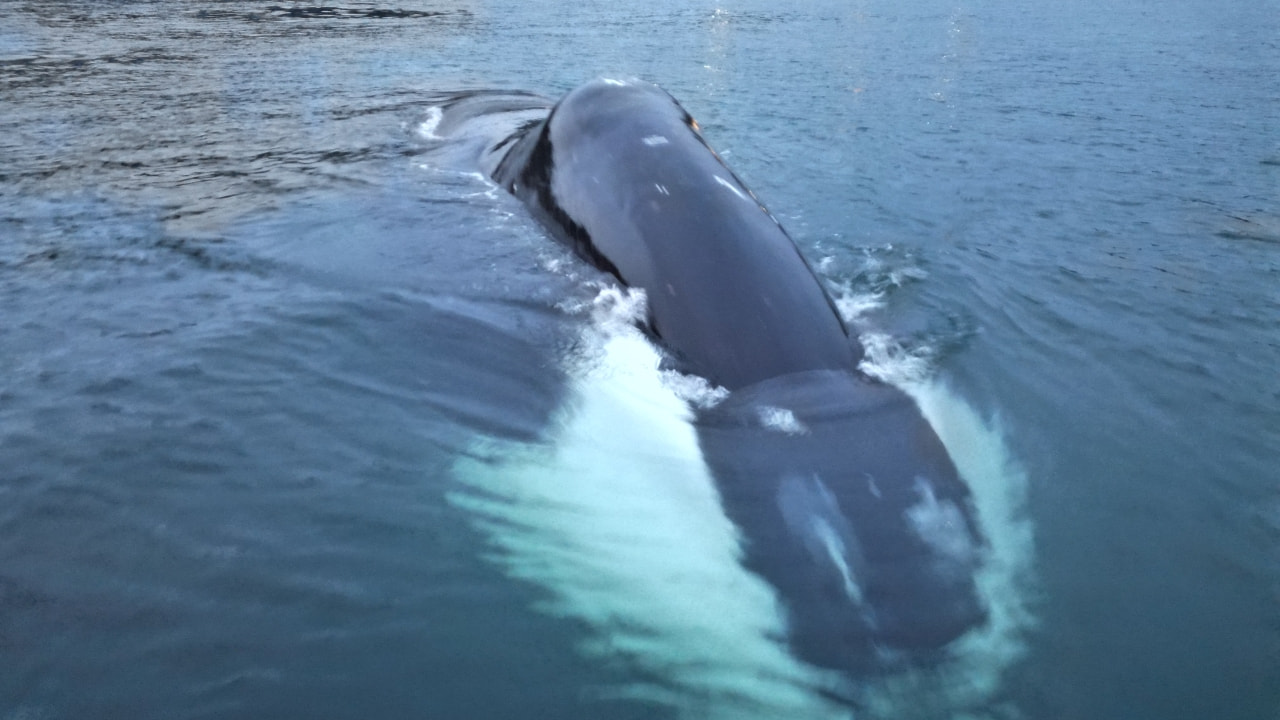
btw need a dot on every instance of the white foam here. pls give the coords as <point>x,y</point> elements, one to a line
<point>853,307</point>
<point>694,389</point>
<point>617,518</point>
<point>429,126</point>
<point>888,360</point>
<point>617,309</point>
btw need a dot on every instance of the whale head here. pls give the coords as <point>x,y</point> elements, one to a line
<point>849,506</point>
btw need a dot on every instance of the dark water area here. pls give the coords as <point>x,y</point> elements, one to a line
<point>266,358</point>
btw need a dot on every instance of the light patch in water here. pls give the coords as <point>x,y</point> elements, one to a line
<point>655,140</point>
<point>616,517</point>
<point>780,420</point>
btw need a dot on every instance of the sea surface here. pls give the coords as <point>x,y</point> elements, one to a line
<point>300,417</point>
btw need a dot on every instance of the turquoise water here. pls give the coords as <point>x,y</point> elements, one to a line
<point>297,419</point>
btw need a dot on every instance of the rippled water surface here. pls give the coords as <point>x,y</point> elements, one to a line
<point>301,418</point>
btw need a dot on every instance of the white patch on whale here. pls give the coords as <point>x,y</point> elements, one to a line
<point>812,512</point>
<point>655,140</point>
<point>872,487</point>
<point>733,189</point>
<point>836,552</point>
<point>429,126</point>
<point>941,526</point>
<point>780,420</point>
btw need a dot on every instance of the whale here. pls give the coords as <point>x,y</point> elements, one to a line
<point>845,500</point>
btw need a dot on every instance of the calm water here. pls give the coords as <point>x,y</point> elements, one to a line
<point>300,418</point>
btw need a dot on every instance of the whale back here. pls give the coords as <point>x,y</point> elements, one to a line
<point>621,173</point>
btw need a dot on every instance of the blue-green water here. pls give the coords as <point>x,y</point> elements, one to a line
<point>297,420</point>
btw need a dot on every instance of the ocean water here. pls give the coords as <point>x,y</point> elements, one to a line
<point>301,417</point>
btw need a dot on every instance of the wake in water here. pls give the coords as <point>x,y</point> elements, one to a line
<point>617,517</point>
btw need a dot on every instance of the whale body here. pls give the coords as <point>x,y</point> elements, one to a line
<point>847,503</point>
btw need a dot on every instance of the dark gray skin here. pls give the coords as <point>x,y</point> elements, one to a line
<point>620,173</point>
<point>850,507</point>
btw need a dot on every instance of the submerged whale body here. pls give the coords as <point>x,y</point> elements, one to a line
<point>846,500</point>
